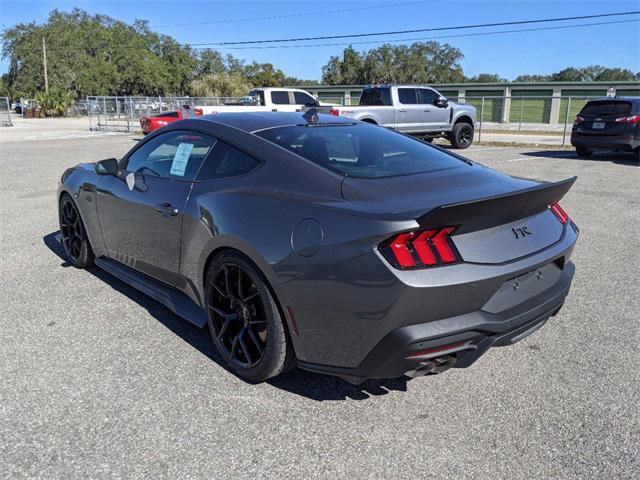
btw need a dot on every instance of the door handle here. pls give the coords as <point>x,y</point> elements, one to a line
<point>402,110</point>
<point>166,209</point>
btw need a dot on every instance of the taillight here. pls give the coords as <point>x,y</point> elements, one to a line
<point>198,111</point>
<point>335,112</point>
<point>422,248</point>
<point>633,119</point>
<point>578,120</point>
<point>559,212</point>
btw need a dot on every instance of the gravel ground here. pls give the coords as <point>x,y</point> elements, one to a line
<point>99,381</point>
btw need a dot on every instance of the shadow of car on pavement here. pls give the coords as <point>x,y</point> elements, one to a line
<point>307,384</point>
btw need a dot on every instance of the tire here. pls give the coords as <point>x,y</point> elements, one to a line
<point>428,139</point>
<point>244,321</point>
<point>583,152</point>
<point>461,136</point>
<point>636,154</point>
<point>74,236</point>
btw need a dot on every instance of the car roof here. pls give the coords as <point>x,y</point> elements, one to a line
<point>254,121</point>
<point>613,99</point>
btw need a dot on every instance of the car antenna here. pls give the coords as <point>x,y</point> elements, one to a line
<point>311,116</point>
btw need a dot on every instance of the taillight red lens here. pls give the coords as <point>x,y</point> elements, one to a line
<point>578,120</point>
<point>423,248</point>
<point>198,111</point>
<point>400,248</point>
<point>335,112</point>
<point>634,119</point>
<point>559,212</point>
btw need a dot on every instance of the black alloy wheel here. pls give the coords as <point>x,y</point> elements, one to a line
<point>74,236</point>
<point>244,321</point>
<point>461,135</point>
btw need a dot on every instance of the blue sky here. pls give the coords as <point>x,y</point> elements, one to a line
<point>508,55</point>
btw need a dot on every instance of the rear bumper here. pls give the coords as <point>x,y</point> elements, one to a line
<point>625,142</point>
<point>453,342</point>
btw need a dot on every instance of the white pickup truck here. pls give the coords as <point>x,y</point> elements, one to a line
<point>269,100</point>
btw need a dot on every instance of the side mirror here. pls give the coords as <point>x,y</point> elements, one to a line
<point>441,102</point>
<point>108,166</point>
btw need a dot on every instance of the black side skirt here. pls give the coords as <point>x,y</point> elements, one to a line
<point>174,300</point>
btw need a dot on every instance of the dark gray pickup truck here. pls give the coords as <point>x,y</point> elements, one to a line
<point>413,109</point>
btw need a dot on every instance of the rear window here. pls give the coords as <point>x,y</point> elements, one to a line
<point>361,150</point>
<point>607,108</point>
<point>376,96</point>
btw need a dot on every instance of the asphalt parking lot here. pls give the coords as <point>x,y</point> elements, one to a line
<point>99,381</point>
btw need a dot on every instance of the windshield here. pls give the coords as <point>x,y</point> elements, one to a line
<point>361,150</point>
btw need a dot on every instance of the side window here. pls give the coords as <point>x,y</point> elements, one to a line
<point>428,96</point>
<point>177,154</point>
<point>226,161</point>
<point>280,98</point>
<point>302,98</point>
<point>407,96</point>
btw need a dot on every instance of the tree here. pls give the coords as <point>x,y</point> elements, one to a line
<point>220,85</point>
<point>532,78</point>
<point>487,78</point>
<point>95,55</point>
<point>421,62</point>
<point>263,75</point>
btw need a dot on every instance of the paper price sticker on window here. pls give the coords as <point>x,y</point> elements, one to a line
<point>180,159</point>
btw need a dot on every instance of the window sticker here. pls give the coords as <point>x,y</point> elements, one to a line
<point>180,159</point>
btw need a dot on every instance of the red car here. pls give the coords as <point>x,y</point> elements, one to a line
<point>149,123</point>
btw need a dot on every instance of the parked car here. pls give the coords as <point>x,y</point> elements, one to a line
<point>413,109</point>
<point>17,107</point>
<point>608,124</point>
<point>149,123</point>
<point>350,249</point>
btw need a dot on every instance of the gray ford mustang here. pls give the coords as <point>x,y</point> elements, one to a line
<point>315,240</point>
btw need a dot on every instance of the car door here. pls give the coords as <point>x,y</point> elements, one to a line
<point>434,118</point>
<point>140,211</point>
<point>410,113</point>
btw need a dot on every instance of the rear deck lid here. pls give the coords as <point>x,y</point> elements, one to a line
<point>497,218</point>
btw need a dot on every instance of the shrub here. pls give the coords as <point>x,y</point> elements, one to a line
<point>55,102</point>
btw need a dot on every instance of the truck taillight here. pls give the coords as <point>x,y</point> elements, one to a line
<point>634,119</point>
<point>421,248</point>
<point>578,120</point>
<point>335,112</point>
<point>197,111</point>
<point>558,211</point>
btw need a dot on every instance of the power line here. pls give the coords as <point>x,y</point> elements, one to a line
<point>397,40</point>
<point>291,15</point>
<point>419,30</point>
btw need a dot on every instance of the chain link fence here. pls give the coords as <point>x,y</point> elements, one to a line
<point>5,112</point>
<point>122,114</point>
<point>508,114</point>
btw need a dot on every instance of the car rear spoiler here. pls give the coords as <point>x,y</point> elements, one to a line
<point>497,210</point>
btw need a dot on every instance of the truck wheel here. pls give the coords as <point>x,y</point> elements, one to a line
<point>583,152</point>
<point>462,135</point>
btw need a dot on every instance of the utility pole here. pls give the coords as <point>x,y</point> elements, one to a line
<point>44,64</point>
